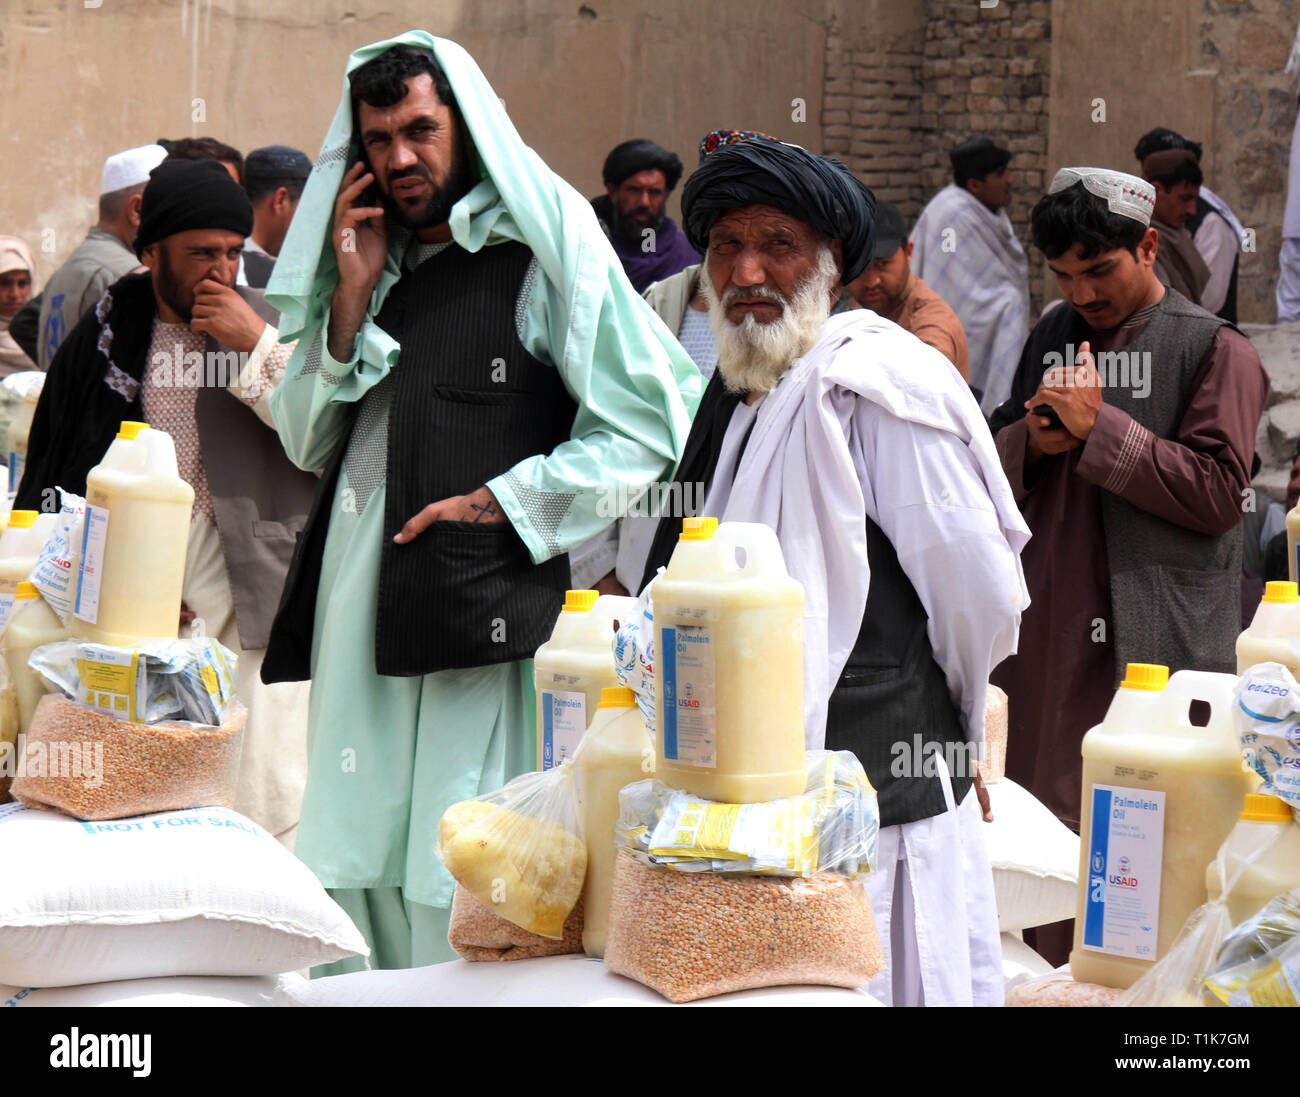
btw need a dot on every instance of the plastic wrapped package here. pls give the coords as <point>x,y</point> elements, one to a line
<point>693,935</point>
<point>1058,988</point>
<point>1259,961</point>
<point>634,658</point>
<point>520,851</point>
<point>994,766</point>
<point>478,934</point>
<point>191,680</point>
<point>1267,716</point>
<point>832,827</point>
<point>92,766</point>
<point>60,558</point>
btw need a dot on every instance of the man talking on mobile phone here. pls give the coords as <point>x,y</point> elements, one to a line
<point>478,380</point>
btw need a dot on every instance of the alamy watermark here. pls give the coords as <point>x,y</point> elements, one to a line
<point>67,759</point>
<point>1112,369</point>
<point>675,500</point>
<point>179,368</point>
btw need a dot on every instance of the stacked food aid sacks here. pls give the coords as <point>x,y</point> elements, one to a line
<point>116,716</point>
<point>135,884</point>
<point>718,833</point>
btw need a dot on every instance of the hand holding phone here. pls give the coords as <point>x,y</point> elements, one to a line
<point>360,237</point>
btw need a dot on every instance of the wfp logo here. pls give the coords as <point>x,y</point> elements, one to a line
<point>1098,862</point>
<point>1293,736</point>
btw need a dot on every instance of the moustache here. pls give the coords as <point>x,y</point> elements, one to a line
<point>753,293</point>
<point>416,171</point>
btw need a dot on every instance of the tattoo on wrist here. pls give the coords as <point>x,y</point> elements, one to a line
<point>484,510</point>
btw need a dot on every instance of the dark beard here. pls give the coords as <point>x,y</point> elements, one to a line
<point>630,231</point>
<point>166,286</point>
<point>438,209</point>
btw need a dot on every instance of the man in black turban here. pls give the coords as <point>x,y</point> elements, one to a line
<point>865,452</point>
<point>639,176</point>
<point>181,348</point>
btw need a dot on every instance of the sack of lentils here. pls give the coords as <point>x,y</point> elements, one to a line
<point>477,933</point>
<point>692,935</point>
<point>92,766</point>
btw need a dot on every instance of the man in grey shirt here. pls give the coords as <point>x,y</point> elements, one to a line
<point>105,254</point>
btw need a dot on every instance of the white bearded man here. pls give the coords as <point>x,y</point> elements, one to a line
<point>867,454</point>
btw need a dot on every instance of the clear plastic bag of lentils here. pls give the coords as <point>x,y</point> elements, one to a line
<point>692,935</point>
<point>92,766</point>
<point>477,934</point>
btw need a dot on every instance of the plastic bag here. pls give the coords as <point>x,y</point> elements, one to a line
<point>832,827</point>
<point>634,646</point>
<point>693,935</point>
<point>60,557</point>
<point>91,766</point>
<point>191,680</point>
<point>520,851</point>
<point>1178,978</point>
<point>1259,963</point>
<point>477,934</point>
<point>1267,715</point>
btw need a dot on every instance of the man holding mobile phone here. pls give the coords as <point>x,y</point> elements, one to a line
<point>1135,500</point>
<point>479,380</point>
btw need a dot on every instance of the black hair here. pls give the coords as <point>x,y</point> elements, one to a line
<point>1161,139</point>
<point>639,154</point>
<point>381,81</point>
<point>1077,216</point>
<point>257,187</point>
<point>1186,171</point>
<point>977,158</point>
<point>207,148</point>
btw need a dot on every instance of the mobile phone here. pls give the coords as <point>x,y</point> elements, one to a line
<point>1049,413</point>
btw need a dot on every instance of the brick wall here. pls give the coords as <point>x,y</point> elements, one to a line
<point>892,109</point>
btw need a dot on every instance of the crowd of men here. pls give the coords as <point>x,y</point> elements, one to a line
<point>451,361</point>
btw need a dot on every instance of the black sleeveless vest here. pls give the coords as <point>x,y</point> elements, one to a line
<point>891,705</point>
<point>468,403</point>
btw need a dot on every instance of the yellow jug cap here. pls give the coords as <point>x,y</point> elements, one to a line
<point>26,590</point>
<point>22,519</point>
<point>580,601</point>
<point>1281,592</point>
<point>1262,808</point>
<point>1150,676</point>
<point>699,529</point>
<point>130,429</point>
<point>616,697</point>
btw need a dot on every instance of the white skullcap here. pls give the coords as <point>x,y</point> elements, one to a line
<point>1126,195</point>
<point>126,169</point>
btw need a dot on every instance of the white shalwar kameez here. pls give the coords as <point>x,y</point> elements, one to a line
<point>872,422</point>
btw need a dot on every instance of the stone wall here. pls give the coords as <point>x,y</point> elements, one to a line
<point>1279,430</point>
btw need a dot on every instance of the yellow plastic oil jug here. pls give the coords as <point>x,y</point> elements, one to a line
<point>571,669</point>
<point>20,547</point>
<point>1159,797</point>
<point>1274,632</point>
<point>32,383</point>
<point>615,752</point>
<point>1261,858</point>
<point>728,624</point>
<point>33,623</point>
<point>133,544</point>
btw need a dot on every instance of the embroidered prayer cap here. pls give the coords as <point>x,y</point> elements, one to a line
<point>718,138</point>
<point>191,194</point>
<point>1125,194</point>
<point>638,155</point>
<point>761,171</point>
<point>129,168</point>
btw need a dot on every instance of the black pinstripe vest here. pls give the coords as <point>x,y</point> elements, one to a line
<point>468,403</point>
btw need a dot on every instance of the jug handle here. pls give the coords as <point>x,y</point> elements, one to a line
<point>763,555</point>
<point>1215,690</point>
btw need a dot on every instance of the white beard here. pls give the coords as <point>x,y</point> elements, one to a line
<point>752,355</point>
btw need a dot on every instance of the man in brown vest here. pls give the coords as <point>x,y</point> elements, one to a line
<point>1127,439</point>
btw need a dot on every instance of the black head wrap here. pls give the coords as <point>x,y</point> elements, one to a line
<point>191,194</point>
<point>761,171</point>
<point>630,157</point>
